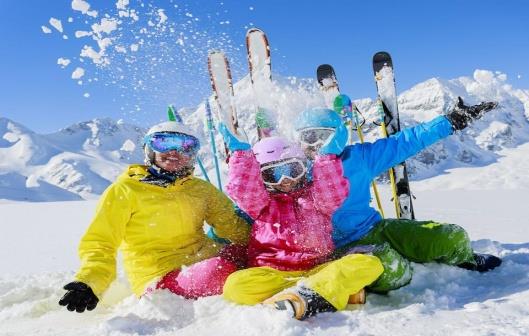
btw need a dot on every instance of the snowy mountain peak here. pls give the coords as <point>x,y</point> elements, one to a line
<point>82,159</point>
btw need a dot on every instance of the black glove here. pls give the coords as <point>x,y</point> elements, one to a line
<point>79,297</point>
<point>462,114</point>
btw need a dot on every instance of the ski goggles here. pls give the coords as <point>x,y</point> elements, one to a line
<point>165,142</point>
<point>316,136</point>
<point>274,174</point>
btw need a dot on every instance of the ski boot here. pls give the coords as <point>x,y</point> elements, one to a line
<point>300,303</point>
<point>484,263</point>
<point>358,297</point>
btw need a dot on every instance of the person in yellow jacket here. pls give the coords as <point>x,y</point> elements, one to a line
<point>155,213</point>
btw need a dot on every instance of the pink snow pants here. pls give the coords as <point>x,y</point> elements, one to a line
<point>204,278</point>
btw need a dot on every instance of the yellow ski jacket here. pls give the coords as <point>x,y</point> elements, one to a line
<point>158,229</point>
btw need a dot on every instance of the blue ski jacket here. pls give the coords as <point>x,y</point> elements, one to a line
<point>363,162</point>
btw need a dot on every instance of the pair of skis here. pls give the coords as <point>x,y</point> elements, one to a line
<point>258,50</point>
<point>389,122</point>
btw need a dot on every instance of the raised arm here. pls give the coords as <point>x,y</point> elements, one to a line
<point>386,153</point>
<point>329,187</point>
<point>246,186</point>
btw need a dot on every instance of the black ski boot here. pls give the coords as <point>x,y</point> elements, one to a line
<point>484,263</point>
<point>301,303</point>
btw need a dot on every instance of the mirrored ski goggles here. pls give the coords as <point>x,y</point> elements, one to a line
<point>165,142</point>
<point>316,136</point>
<point>274,174</point>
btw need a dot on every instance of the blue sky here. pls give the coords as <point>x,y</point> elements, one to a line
<point>426,38</point>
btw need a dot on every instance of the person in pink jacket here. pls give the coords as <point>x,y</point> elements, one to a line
<point>289,252</point>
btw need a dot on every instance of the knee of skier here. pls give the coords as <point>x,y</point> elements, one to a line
<point>397,270</point>
<point>368,262</point>
<point>238,289</point>
<point>461,249</point>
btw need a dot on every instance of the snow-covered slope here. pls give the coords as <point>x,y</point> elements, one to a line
<point>74,163</point>
<point>81,160</point>
<point>481,144</point>
<point>38,256</point>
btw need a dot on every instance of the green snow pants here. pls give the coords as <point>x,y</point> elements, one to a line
<point>396,242</point>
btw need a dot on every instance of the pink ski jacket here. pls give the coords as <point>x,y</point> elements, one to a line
<point>292,231</point>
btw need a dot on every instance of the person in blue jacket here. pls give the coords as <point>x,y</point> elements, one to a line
<point>359,228</point>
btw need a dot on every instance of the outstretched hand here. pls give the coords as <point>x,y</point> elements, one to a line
<point>232,142</point>
<point>461,115</point>
<point>79,297</point>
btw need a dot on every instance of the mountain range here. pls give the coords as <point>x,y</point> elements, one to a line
<point>80,161</point>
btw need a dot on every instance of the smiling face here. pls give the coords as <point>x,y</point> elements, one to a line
<point>173,161</point>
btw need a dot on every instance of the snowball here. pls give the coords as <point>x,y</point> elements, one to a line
<point>89,52</point>
<point>45,30</point>
<point>78,73</point>
<point>83,7</point>
<point>63,62</point>
<point>86,95</point>
<point>106,26</point>
<point>134,47</point>
<point>162,15</point>
<point>82,33</point>
<point>122,4</point>
<point>56,24</point>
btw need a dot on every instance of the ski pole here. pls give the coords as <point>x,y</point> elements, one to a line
<point>209,119</point>
<point>203,169</point>
<point>349,112</point>
<point>175,116</point>
<point>355,111</point>
<point>380,110</point>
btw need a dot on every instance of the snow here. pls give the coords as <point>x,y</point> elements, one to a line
<point>105,26</point>
<point>56,23</point>
<point>45,30</point>
<point>122,4</point>
<point>82,33</point>
<point>78,73</point>
<point>83,7</point>
<point>478,178</point>
<point>439,300</point>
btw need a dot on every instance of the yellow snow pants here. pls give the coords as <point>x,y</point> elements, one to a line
<point>334,280</point>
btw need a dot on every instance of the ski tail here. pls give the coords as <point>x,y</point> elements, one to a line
<point>260,68</point>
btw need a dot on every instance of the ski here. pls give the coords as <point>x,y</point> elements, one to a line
<point>221,83</point>
<point>328,83</point>
<point>260,67</point>
<point>211,131</point>
<point>390,124</point>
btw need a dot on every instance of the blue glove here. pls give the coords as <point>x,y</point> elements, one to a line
<point>337,143</point>
<point>231,140</point>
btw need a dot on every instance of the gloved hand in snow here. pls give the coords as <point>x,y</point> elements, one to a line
<point>79,297</point>
<point>461,115</point>
<point>232,141</point>
<point>337,142</point>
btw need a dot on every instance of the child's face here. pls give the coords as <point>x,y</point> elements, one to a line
<point>287,185</point>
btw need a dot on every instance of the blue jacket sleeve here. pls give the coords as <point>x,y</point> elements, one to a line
<point>386,153</point>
